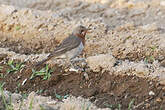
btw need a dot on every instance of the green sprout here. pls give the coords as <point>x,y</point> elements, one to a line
<point>31,104</point>
<point>149,59</point>
<point>153,48</point>
<point>61,97</point>
<point>1,68</point>
<point>7,106</point>
<point>130,104</point>
<point>17,28</point>
<point>115,106</point>
<point>2,75</point>
<point>45,72</point>
<point>40,91</point>
<point>84,107</point>
<point>14,67</point>
<point>17,88</point>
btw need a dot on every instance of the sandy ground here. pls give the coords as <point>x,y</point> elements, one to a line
<point>128,34</point>
<point>132,32</point>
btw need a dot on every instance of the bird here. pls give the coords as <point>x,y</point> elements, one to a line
<point>70,47</point>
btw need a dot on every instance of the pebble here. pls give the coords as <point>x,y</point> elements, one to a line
<point>106,1</point>
<point>151,93</point>
<point>149,27</point>
<point>7,10</point>
<point>147,105</point>
<point>24,81</point>
<point>50,27</point>
<point>2,56</point>
<point>94,8</point>
<point>163,89</point>
<point>162,63</point>
<point>162,3</point>
<point>86,76</point>
<point>73,69</point>
<point>23,32</point>
<point>158,100</point>
<point>15,97</point>
<point>109,13</point>
<point>105,61</point>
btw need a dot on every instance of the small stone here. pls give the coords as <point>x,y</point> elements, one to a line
<point>7,10</point>
<point>50,27</point>
<point>25,11</point>
<point>83,64</point>
<point>24,81</point>
<point>158,100</point>
<point>147,105</point>
<point>94,8</point>
<point>67,69</point>
<point>163,88</point>
<point>162,63</point>
<point>73,69</point>
<point>162,3</point>
<point>15,97</point>
<point>86,76</point>
<point>109,13</point>
<point>149,27</point>
<point>161,57</point>
<point>150,83</point>
<point>2,56</point>
<point>151,93</point>
<point>104,61</point>
<point>159,13</point>
<point>23,32</point>
<point>106,1</point>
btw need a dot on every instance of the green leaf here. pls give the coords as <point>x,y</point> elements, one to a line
<point>66,96</point>
<point>1,68</point>
<point>45,72</point>
<point>9,71</point>
<point>130,104</point>
<point>17,28</point>
<point>2,84</point>
<point>10,62</point>
<point>58,96</point>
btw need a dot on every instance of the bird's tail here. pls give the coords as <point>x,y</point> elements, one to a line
<point>41,62</point>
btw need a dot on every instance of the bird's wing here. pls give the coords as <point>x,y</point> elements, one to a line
<point>68,44</point>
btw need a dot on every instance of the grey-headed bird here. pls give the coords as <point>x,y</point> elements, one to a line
<point>70,47</point>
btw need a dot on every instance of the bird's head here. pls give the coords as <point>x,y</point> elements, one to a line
<point>80,31</point>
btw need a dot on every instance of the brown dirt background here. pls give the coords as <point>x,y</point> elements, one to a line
<point>131,32</point>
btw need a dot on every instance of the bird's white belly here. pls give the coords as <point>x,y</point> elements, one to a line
<point>75,52</point>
